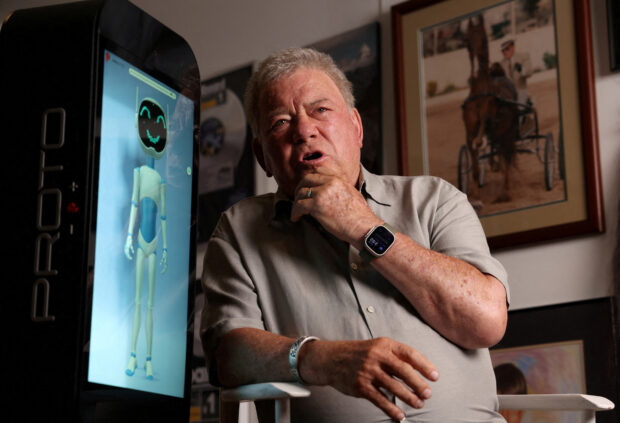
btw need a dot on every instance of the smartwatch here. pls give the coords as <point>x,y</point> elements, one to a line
<point>377,241</point>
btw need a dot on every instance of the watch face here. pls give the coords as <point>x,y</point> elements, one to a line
<point>380,240</point>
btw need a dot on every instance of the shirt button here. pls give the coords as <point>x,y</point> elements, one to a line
<point>370,309</point>
<point>353,266</point>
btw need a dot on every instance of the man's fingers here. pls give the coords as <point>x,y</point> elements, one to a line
<point>405,374</point>
<point>418,361</point>
<point>375,396</point>
<point>381,369</point>
<point>401,391</point>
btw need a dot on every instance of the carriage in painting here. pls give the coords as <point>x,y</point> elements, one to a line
<point>529,141</point>
<point>497,125</point>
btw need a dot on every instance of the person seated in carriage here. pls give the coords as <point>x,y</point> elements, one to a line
<point>517,67</point>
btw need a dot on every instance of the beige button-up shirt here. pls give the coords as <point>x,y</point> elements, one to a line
<point>263,271</point>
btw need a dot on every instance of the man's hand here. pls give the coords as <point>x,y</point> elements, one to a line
<point>336,204</point>
<point>370,369</point>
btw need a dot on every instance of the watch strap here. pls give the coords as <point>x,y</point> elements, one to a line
<point>365,255</point>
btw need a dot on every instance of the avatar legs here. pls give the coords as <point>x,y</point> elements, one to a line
<point>137,313</point>
<point>152,263</point>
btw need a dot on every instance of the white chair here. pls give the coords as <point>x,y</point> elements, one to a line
<point>282,392</point>
<point>589,404</point>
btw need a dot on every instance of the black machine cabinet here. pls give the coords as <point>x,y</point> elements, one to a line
<point>51,72</point>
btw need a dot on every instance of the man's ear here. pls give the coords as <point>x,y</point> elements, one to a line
<point>258,153</point>
<point>357,123</point>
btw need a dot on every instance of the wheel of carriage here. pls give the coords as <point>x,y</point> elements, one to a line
<point>549,161</point>
<point>463,169</point>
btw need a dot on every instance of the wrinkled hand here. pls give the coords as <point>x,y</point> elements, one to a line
<point>129,247</point>
<point>336,204</point>
<point>366,368</point>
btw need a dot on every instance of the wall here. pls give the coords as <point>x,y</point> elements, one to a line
<point>226,34</point>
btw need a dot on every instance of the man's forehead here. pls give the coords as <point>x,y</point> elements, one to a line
<point>300,79</point>
<point>306,86</point>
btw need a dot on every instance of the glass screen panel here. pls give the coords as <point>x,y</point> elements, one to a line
<point>138,336</point>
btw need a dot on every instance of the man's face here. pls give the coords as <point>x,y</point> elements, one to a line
<point>304,123</point>
<point>509,51</point>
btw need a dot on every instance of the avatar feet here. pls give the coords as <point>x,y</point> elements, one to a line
<point>149,369</point>
<point>131,366</point>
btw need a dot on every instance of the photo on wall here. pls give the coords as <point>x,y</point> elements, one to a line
<point>555,349</point>
<point>553,368</point>
<point>225,152</point>
<point>491,105</point>
<point>498,98</point>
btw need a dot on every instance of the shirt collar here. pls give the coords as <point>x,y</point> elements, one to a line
<point>373,188</point>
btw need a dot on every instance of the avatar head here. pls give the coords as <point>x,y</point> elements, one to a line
<point>152,128</point>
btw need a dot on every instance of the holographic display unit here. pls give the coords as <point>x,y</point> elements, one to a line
<point>99,115</point>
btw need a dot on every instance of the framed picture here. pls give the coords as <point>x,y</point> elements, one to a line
<point>556,367</point>
<point>497,97</point>
<point>226,159</point>
<point>567,348</point>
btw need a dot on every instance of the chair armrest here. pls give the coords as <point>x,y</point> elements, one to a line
<point>554,402</point>
<point>263,391</point>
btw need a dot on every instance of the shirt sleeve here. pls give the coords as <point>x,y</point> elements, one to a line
<point>230,294</point>
<point>457,232</point>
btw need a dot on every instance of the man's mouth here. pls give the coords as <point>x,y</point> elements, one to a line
<point>312,156</point>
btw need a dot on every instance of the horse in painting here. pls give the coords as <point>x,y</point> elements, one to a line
<point>490,112</point>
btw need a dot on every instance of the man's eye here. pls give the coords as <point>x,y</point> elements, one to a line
<point>278,123</point>
<point>321,109</point>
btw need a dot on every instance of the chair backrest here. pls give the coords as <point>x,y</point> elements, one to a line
<point>282,392</point>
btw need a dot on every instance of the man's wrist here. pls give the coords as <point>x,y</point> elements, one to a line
<point>293,356</point>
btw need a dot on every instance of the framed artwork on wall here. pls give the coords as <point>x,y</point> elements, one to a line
<point>562,348</point>
<point>497,97</point>
<point>226,159</point>
<point>556,367</point>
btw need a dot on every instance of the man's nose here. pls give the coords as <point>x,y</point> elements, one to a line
<point>305,129</point>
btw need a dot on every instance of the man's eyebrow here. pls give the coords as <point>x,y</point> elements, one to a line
<point>277,111</point>
<point>285,111</point>
<point>319,101</point>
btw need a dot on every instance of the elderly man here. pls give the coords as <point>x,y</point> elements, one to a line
<point>358,285</point>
